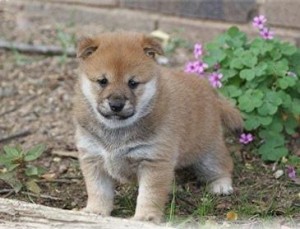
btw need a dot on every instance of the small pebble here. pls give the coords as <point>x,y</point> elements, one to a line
<point>278,173</point>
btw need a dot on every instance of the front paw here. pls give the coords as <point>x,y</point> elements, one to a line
<point>222,186</point>
<point>97,211</point>
<point>149,217</point>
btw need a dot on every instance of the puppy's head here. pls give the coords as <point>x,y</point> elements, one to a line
<point>119,76</point>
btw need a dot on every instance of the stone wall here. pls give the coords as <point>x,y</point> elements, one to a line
<point>196,19</point>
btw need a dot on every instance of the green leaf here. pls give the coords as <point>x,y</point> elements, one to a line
<point>276,125</point>
<point>279,68</point>
<point>218,54</point>
<point>235,38</point>
<point>257,44</point>
<point>236,63</point>
<point>283,84</point>
<point>32,186</point>
<point>286,81</point>
<point>261,46</point>
<point>7,160</point>
<point>34,153</point>
<point>248,59</point>
<point>286,99</point>
<point>275,54</point>
<point>250,100</point>
<point>11,151</point>
<point>11,179</point>
<point>252,123</point>
<point>11,167</point>
<point>221,40</point>
<point>270,103</point>
<point>265,120</point>
<point>260,69</point>
<point>228,73</point>
<point>31,171</point>
<point>247,74</point>
<point>210,60</point>
<point>274,139</point>
<point>272,154</point>
<point>233,31</point>
<point>290,125</point>
<point>296,106</point>
<point>233,91</point>
<point>288,49</point>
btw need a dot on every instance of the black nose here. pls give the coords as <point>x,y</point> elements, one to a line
<point>116,105</point>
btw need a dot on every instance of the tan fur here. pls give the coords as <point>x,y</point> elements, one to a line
<point>182,125</point>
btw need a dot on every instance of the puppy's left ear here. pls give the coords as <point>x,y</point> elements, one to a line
<point>85,47</point>
<point>152,46</point>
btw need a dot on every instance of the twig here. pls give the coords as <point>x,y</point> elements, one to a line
<point>8,194</point>
<point>31,98</point>
<point>41,49</point>
<point>65,153</point>
<point>6,190</point>
<point>18,135</point>
<point>59,181</point>
<point>41,195</point>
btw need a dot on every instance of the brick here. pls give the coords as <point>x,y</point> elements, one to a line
<point>222,10</point>
<point>202,9</point>
<point>282,13</point>
<point>239,11</point>
<point>152,5</point>
<point>103,3</point>
<point>191,30</point>
<point>206,31</point>
<point>105,19</point>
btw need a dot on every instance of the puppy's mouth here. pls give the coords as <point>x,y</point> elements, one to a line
<point>116,116</point>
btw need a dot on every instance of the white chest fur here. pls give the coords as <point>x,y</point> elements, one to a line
<point>121,162</point>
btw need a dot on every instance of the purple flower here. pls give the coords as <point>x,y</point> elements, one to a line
<point>196,67</point>
<point>267,34</point>
<point>215,79</point>
<point>201,67</point>
<point>291,172</point>
<point>197,50</point>
<point>246,138</point>
<point>259,22</point>
<point>191,67</point>
<point>217,67</point>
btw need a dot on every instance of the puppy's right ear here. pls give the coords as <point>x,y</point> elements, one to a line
<point>85,47</point>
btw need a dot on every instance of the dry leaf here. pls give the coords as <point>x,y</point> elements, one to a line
<point>49,176</point>
<point>232,216</point>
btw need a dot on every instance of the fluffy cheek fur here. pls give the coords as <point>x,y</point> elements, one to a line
<point>143,106</point>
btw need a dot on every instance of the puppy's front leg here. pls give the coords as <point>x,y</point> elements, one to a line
<point>99,185</point>
<point>155,180</point>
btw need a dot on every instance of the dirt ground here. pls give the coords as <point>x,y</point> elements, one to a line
<point>35,107</point>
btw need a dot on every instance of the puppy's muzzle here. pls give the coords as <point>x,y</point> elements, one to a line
<point>116,104</point>
<point>116,107</point>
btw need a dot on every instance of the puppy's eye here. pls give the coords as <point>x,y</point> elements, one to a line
<point>133,84</point>
<point>103,82</point>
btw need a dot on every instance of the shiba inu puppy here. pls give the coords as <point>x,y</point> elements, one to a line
<point>137,121</point>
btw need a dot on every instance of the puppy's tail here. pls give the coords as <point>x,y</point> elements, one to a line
<point>231,117</point>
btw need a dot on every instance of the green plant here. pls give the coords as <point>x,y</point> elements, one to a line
<point>173,43</point>
<point>261,76</point>
<point>172,208</point>
<point>66,41</point>
<point>17,171</point>
<point>19,58</point>
<point>206,205</point>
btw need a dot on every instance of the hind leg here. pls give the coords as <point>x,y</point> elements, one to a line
<point>215,168</point>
